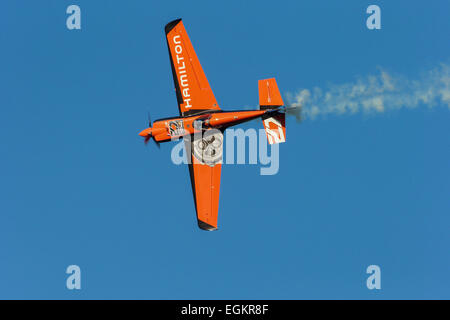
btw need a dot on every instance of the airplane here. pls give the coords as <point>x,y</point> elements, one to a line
<point>201,122</point>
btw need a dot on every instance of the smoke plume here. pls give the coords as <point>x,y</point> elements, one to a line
<point>373,94</point>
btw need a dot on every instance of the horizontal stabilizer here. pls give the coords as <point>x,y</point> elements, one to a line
<point>275,127</point>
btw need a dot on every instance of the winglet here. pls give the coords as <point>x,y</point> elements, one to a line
<point>204,226</point>
<point>171,25</point>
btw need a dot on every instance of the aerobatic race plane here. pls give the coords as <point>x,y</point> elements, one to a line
<point>201,122</point>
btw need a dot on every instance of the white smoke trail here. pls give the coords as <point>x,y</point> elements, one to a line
<point>373,94</point>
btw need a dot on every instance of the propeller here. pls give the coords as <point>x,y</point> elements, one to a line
<point>149,119</point>
<point>149,136</point>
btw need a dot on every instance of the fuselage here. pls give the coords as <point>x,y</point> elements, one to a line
<point>173,128</point>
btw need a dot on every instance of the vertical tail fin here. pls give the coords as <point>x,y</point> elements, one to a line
<point>270,98</point>
<point>269,95</point>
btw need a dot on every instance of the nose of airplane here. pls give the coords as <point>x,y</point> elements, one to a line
<point>145,132</point>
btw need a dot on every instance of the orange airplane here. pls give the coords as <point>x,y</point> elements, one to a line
<point>200,114</point>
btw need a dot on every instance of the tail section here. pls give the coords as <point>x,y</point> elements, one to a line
<point>274,122</point>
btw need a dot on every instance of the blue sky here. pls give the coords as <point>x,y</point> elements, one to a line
<point>78,186</point>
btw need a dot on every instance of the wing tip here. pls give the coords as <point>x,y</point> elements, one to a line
<point>204,226</point>
<point>171,25</point>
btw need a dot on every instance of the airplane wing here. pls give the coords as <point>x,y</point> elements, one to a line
<point>194,95</point>
<point>204,169</point>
